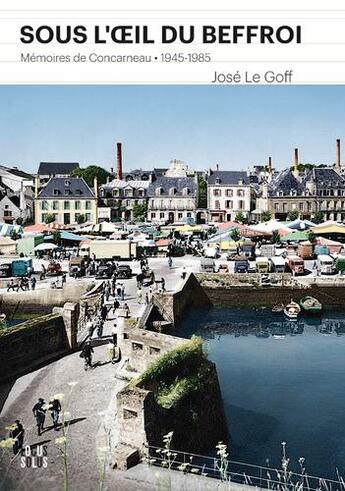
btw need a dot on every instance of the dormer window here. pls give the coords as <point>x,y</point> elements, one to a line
<point>115,192</point>
<point>186,191</point>
<point>56,192</point>
<point>280,193</point>
<point>172,191</point>
<point>67,182</point>
<point>78,192</point>
<point>159,191</point>
<point>217,180</point>
<point>67,192</point>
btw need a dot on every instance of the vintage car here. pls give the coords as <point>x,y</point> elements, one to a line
<point>54,269</point>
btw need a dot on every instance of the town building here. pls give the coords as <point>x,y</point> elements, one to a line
<point>229,193</point>
<point>118,198</point>
<point>67,198</point>
<point>173,197</point>
<point>320,189</point>
<point>16,195</point>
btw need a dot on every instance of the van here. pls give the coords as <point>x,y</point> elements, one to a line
<point>241,265</point>
<point>325,264</point>
<point>296,264</point>
<point>277,264</point>
<point>77,266</point>
<point>248,248</point>
<point>207,265</point>
<point>262,264</point>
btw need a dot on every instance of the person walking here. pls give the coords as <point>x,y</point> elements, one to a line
<point>116,305</point>
<point>170,262</point>
<point>126,309</point>
<point>104,312</point>
<point>150,294</point>
<point>39,412</point>
<point>33,283</point>
<point>147,298</point>
<point>123,292</point>
<point>17,433</point>
<point>114,334</point>
<point>64,279</point>
<point>100,328</point>
<point>163,284</point>
<point>184,273</point>
<point>11,285</point>
<point>86,353</point>
<point>140,295</point>
<point>55,408</point>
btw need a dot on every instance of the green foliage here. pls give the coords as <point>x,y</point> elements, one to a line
<point>14,235</point>
<point>139,212</point>
<point>50,218</point>
<point>202,194</point>
<point>266,216</point>
<point>275,237</point>
<point>293,215</point>
<point>311,236</point>
<point>81,219</point>
<point>168,366</point>
<point>56,237</point>
<point>318,216</point>
<point>235,235</point>
<point>240,218</point>
<point>19,221</point>
<point>89,173</point>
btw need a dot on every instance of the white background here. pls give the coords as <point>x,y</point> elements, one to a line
<point>319,59</point>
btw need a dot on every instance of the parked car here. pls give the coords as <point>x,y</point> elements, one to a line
<point>54,269</point>
<point>207,265</point>
<point>77,266</point>
<point>104,271</point>
<point>124,271</point>
<point>241,265</point>
<point>5,270</point>
<point>296,264</point>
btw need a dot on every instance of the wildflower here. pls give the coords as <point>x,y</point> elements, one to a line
<point>7,443</point>
<point>73,383</point>
<point>60,440</point>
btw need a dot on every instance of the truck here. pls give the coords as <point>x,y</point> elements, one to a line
<point>267,250</point>
<point>262,264</point>
<point>211,252</point>
<point>248,249</point>
<point>277,264</point>
<point>77,266</point>
<point>325,264</point>
<point>20,267</point>
<point>113,249</point>
<point>207,265</point>
<point>241,264</point>
<point>295,264</point>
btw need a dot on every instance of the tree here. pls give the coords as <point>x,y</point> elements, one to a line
<point>56,237</point>
<point>311,236</point>
<point>293,215</point>
<point>89,173</point>
<point>50,218</point>
<point>235,235</point>
<point>19,221</point>
<point>266,216</point>
<point>15,235</point>
<point>139,212</point>
<point>81,219</point>
<point>318,216</point>
<point>240,218</point>
<point>202,192</point>
<point>275,237</point>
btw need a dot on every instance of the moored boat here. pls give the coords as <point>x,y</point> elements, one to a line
<point>292,310</point>
<point>277,309</point>
<point>311,305</point>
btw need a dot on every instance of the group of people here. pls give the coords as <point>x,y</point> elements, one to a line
<point>24,284</point>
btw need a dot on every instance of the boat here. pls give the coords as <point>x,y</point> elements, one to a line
<point>292,310</point>
<point>262,334</point>
<point>277,309</point>
<point>311,305</point>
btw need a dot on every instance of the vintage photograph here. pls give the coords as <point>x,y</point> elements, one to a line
<point>172,287</point>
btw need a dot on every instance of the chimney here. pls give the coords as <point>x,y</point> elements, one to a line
<point>296,162</point>
<point>270,165</point>
<point>119,160</point>
<point>95,185</point>
<point>111,170</point>
<point>217,167</point>
<point>337,162</point>
<point>37,183</point>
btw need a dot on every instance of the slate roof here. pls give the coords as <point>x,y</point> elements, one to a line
<point>17,172</point>
<point>283,183</point>
<point>57,188</point>
<point>53,168</point>
<point>179,183</point>
<point>121,184</point>
<point>228,177</point>
<point>159,171</point>
<point>325,177</point>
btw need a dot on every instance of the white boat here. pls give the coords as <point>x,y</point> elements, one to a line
<point>292,310</point>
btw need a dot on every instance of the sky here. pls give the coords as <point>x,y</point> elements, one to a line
<point>234,126</point>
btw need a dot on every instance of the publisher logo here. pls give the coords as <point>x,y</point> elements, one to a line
<point>34,458</point>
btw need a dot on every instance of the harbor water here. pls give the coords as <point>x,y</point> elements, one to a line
<point>281,381</point>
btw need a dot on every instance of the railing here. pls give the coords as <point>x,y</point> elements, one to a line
<point>239,472</point>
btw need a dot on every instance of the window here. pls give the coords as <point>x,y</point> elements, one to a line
<point>88,205</point>
<point>77,205</point>
<point>56,192</point>
<point>284,207</point>
<point>217,180</point>
<point>68,192</point>
<point>55,205</point>
<point>76,216</point>
<point>229,193</point>
<point>128,192</point>
<point>116,192</point>
<point>140,193</point>
<point>67,182</point>
<point>161,215</point>
<point>189,215</point>
<point>88,217</point>
<point>180,215</point>
<point>66,205</point>
<point>240,192</point>
<point>159,191</point>
<point>301,206</point>
<point>172,191</point>
<point>276,206</point>
<point>78,192</point>
<point>186,191</point>
<point>217,192</point>
<point>153,215</point>
<point>44,205</point>
<point>7,213</point>
<point>217,204</point>
<point>241,204</point>
<point>229,204</point>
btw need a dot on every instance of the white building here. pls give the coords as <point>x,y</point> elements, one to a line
<point>229,193</point>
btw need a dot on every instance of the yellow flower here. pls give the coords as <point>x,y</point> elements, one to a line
<point>11,427</point>
<point>8,443</point>
<point>60,440</point>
